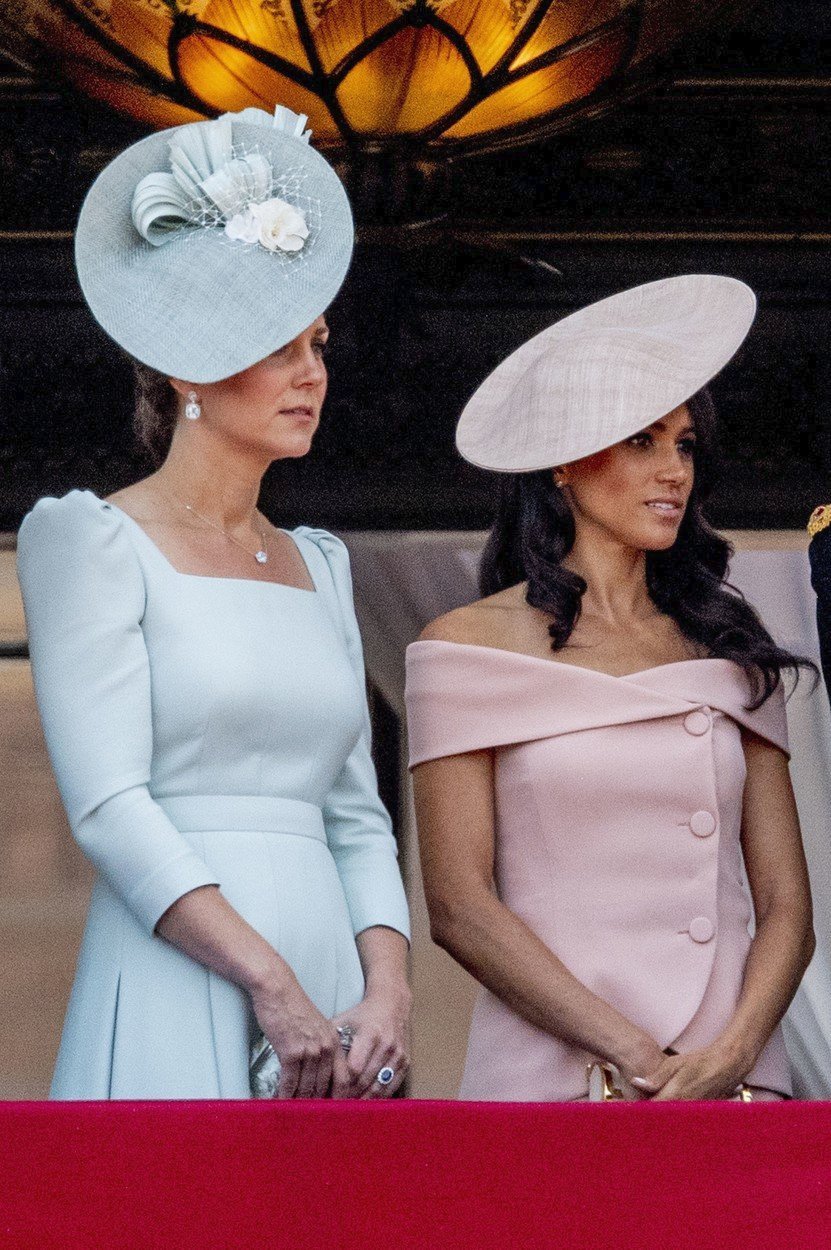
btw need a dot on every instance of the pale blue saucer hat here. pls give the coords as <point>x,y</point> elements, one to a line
<point>204,248</point>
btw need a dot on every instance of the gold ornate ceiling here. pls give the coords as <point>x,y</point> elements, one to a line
<point>445,74</point>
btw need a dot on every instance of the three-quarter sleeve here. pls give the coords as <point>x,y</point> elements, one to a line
<point>358,827</point>
<point>83,592</point>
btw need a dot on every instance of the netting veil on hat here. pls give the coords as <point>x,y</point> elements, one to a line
<point>605,372</point>
<point>203,248</point>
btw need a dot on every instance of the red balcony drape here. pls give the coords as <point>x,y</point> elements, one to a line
<point>414,1176</point>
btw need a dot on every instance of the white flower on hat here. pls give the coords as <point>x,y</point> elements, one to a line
<point>275,224</point>
<point>243,227</point>
<point>281,225</point>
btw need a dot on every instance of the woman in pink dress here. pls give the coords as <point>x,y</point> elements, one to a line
<point>599,745</point>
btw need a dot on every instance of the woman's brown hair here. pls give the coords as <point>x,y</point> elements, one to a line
<point>156,411</point>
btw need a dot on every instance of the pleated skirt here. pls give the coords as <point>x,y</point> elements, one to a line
<point>147,1021</point>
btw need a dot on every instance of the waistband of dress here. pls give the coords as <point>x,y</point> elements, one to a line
<point>243,813</point>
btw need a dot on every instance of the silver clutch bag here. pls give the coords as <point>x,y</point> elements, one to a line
<point>263,1068</point>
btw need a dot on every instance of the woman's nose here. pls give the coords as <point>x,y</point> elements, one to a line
<point>311,369</point>
<point>675,468</point>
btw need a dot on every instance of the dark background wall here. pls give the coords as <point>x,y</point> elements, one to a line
<point>724,167</point>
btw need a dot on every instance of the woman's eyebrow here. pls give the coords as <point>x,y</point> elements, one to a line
<point>661,426</point>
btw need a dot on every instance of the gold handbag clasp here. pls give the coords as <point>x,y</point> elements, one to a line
<point>602,1087</point>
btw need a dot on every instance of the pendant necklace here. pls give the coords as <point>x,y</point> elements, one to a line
<point>260,556</point>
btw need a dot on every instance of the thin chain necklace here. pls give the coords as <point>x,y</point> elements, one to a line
<point>260,556</point>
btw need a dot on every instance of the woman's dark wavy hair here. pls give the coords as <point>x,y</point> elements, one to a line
<point>534,531</point>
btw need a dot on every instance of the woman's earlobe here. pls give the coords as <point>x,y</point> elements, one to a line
<point>180,387</point>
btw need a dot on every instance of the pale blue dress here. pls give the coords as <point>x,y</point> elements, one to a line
<point>203,730</point>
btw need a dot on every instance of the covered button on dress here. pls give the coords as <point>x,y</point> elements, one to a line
<point>202,730</point>
<point>618,805</point>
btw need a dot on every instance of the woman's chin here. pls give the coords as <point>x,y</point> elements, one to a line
<point>659,536</point>
<point>660,539</point>
<point>292,448</point>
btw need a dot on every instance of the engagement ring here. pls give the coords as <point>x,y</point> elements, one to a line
<point>346,1035</point>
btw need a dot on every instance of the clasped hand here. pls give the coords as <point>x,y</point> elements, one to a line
<point>698,1074</point>
<point>314,1065</point>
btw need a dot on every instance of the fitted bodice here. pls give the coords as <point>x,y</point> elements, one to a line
<point>618,813</point>
<point>251,689</point>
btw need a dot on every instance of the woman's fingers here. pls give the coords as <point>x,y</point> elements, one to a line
<point>316,1068</point>
<point>645,1084</point>
<point>359,1061</point>
<point>651,1083</point>
<point>393,1060</point>
<point>678,1090</point>
<point>308,1074</point>
<point>372,1061</point>
<point>377,1090</point>
<point>323,1076</point>
<point>695,1078</point>
<point>341,1076</point>
<point>708,1072</point>
<point>289,1077</point>
<point>306,1080</point>
<point>378,1036</point>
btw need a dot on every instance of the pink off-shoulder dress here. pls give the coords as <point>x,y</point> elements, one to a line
<point>618,806</point>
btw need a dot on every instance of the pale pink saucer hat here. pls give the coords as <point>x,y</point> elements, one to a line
<point>605,372</point>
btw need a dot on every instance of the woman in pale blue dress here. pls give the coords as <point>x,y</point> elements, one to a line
<point>199,672</point>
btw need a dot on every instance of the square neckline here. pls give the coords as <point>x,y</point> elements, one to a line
<point>208,577</point>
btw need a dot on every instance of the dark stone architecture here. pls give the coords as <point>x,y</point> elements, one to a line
<point>722,166</point>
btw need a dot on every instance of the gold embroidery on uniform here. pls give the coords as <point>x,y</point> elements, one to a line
<point>819,519</point>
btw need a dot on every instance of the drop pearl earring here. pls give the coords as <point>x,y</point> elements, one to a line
<point>193,409</point>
